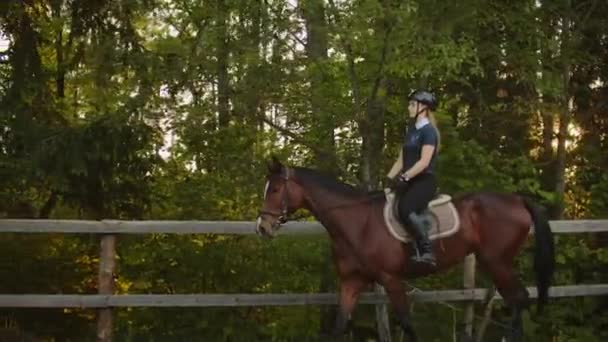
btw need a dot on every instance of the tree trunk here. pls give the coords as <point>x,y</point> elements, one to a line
<point>316,49</point>
<point>564,119</point>
<point>223,86</point>
<point>60,76</point>
<point>106,285</point>
<point>547,154</point>
<point>56,5</point>
<point>322,125</point>
<point>251,88</point>
<point>372,134</point>
<point>49,205</point>
<point>371,128</point>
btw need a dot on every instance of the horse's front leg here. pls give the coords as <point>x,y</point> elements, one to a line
<point>399,301</point>
<point>350,289</point>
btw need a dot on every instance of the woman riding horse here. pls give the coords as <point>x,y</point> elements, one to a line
<point>415,169</point>
<point>493,226</point>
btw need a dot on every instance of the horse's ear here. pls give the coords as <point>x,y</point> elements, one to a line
<point>274,165</point>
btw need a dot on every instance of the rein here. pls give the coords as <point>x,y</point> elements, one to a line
<point>370,196</point>
<point>282,216</point>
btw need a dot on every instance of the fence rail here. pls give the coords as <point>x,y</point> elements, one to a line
<point>105,300</point>
<point>245,299</point>
<point>218,227</point>
<point>109,228</point>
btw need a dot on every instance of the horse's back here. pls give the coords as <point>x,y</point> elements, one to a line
<point>490,201</point>
<point>497,218</point>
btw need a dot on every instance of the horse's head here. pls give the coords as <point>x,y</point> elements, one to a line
<point>282,196</point>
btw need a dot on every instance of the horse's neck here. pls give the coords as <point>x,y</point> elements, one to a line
<point>319,201</point>
<point>328,207</point>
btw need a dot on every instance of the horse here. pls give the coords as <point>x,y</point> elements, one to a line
<point>493,225</point>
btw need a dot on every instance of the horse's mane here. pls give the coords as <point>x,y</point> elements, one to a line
<point>328,182</point>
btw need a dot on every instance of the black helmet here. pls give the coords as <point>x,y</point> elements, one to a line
<point>424,97</point>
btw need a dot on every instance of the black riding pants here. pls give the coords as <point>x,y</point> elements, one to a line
<point>416,195</point>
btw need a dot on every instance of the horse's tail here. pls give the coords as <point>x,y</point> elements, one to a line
<point>544,252</point>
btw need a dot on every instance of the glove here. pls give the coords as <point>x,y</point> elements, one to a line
<point>403,178</point>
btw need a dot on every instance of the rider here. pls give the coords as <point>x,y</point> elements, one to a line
<point>414,171</point>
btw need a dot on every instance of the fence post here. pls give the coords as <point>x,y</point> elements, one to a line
<point>382,321</point>
<point>107,266</point>
<point>469,283</point>
<point>487,315</point>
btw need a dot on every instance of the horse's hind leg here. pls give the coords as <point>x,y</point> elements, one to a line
<point>512,291</point>
<point>517,298</point>
<point>398,297</point>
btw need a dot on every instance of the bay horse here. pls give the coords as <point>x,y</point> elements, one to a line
<point>493,226</point>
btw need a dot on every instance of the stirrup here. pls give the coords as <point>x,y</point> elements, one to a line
<point>426,258</point>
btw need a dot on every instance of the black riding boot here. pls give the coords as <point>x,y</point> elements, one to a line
<point>420,225</point>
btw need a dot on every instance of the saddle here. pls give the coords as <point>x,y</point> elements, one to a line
<point>443,214</point>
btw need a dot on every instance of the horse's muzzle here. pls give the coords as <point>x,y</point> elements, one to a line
<point>265,228</point>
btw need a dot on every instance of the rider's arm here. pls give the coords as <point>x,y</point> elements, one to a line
<point>396,169</point>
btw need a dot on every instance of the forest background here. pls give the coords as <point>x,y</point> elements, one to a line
<point>158,109</point>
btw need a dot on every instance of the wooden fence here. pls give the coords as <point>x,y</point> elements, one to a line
<point>106,299</point>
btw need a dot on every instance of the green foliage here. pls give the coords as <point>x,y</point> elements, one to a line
<point>599,195</point>
<point>221,264</point>
<point>164,110</point>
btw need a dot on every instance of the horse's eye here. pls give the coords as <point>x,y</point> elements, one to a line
<point>275,190</point>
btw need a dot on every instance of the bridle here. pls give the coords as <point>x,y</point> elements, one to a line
<point>282,215</point>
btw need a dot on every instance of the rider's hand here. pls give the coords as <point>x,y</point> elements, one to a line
<point>403,177</point>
